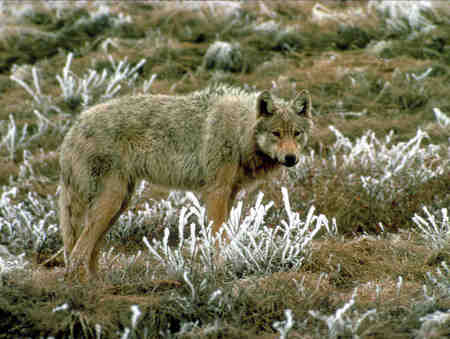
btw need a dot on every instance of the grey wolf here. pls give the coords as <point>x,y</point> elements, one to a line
<point>216,142</point>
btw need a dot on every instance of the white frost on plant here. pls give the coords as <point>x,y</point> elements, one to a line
<point>321,13</point>
<point>14,139</point>
<point>62,307</point>
<point>341,325</point>
<point>86,87</point>
<point>442,119</point>
<point>255,247</point>
<point>252,247</point>
<point>390,167</point>
<point>43,102</point>
<point>148,83</point>
<point>136,313</point>
<point>75,88</point>
<point>122,71</point>
<point>126,333</point>
<point>129,221</point>
<point>29,223</point>
<point>431,323</point>
<point>422,76</point>
<point>223,56</point>
<point>400,15</point>
<point>174,260</point>
<point>225,9</point>
<point>11,139</point>
<point>267,26</point>
<point>98,331</point>
<point>103,12</point>
<point>9,262</point>
<point>440,281</point>
<point>284,327</point>
<point>399,285</point>
<point>397,12</point>
<point>437,233</point>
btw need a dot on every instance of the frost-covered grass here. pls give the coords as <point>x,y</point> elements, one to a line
<point>375,178</point>
<point>405,15</point>
<point>442,119</point>
<point>436,233</point>
<point>253,247</point>
<point>391,168</point>
<point>28,222</point>
<point>398,16</point>
<point>354,244</point>
<point>92,87</point>
<point>223,56</point>
<point>341,324</point>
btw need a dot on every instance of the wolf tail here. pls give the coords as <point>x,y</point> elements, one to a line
<point>70,218</point>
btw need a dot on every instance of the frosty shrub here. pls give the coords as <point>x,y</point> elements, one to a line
<point>385,169</point>
<point>442,119</point>
<point>440,282</point>
<point>341,324</point>
<point>404,16</point>
<point>15,139</point>
<point>390,168</point>
<point>283,327</point>
<point>149,217</point>
<point>352,15</point>
<point>102,16</point>
<point>90,88</point>
<point>435,232</point>
<point>42,102</point>
<point>397,16</point>
<point>253,246</point>
<point>271,35</point>
<point>433,325</point>
<point>9,262</point>
<point>30,222</point>
<point>223,56</point>
<point>93,86</point>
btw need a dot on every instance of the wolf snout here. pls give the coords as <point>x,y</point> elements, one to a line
<point>290,160</point>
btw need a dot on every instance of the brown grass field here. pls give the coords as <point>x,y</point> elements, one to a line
<point>367,69</point>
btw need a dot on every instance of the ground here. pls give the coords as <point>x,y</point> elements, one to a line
<point>371,67</point>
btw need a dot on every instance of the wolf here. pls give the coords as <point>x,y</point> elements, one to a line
<point>216,142</point>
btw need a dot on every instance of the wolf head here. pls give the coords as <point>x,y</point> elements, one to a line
<point>282,127</point>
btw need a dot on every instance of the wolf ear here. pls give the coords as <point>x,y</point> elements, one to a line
<point>302,104</point>
<point>264,104</point>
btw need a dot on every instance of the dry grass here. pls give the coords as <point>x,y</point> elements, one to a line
<point>325,283</point>
<point>334,60</point>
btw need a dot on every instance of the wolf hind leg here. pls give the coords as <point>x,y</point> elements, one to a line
<point>93,260</point>
<point>99,216</point>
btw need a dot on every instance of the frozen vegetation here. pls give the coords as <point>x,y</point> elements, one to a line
<point>292,264</point>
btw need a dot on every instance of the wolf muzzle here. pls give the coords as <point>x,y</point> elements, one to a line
<point>290,160</point>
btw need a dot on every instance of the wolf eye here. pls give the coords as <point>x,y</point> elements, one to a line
<point>296,133</point>
<point>276,133</point>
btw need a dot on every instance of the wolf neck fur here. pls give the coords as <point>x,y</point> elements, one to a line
<point>259,165</point>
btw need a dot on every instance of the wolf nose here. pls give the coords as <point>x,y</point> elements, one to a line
<point>290,160</point>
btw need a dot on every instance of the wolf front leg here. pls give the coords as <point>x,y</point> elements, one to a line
<point>219,198</point>
<point>217,205</point>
